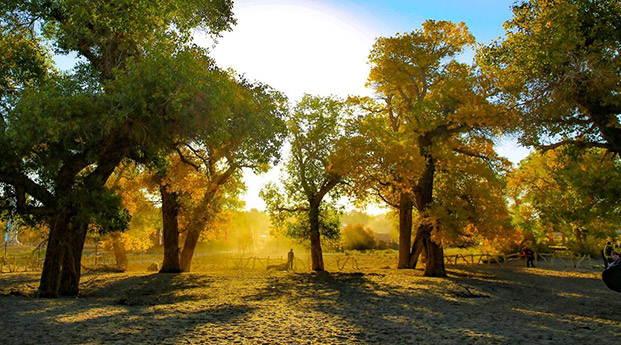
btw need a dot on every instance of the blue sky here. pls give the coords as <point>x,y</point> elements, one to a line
<point>483,17</point>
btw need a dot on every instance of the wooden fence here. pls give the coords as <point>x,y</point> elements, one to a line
<point>33,261</point>
<point>476,259</point>
<point>563,259</point>
<point>29,263</point>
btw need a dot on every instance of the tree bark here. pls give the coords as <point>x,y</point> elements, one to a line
<point>189,245</point>
<point>418,247</point>
<point>49,285</point>
<point>423,192</point>
<point>194,229</point>
<point>405,230</point>
<point>434,266</point>
<point>315,241</point>
<point>120,253</point>
<point>72,260</point>
<point>170,210</point>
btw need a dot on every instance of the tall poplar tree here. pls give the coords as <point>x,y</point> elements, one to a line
<point>313,172</point>
<point>430,125</point>
<point>139,88</point>
<point>249,135</point>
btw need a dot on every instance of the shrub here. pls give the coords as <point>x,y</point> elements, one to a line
<point>356,237</point>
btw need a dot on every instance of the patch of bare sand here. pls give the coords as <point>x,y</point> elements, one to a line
<point>474,305</point>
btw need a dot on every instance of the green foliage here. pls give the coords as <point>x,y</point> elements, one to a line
<point>573,192</point>
<point>141,87</point>
<point>312,171</point>
<point>298,228</point>
<point>102,207</point>
<point>558,70</point>
<point>24,62</point>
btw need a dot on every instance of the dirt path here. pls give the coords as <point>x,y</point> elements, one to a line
<point>475,305</point>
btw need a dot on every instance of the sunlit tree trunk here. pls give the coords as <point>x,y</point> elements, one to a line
<point>72,260</point>
<point>170,210</point>
<point>120,253</point>
<point>194,229</point>
<point>405,230</point>
<point>423,192</point>
<point>434,264</point>
<point>189,246</point>
<point>418,247</point>
<point>315,241</point>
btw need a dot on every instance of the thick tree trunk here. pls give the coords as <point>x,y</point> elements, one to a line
<point>120,253</point>
<point>434,266</point>
<point>170,210</point>
<point>315,241</point>
<point>66,240</point>
<point>189,245</point>
<point>72,260</point>
<point>405,230</point>
<point>49,285</point>
<point>423,192</point>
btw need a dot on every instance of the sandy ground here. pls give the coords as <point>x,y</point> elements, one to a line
<point>484,304</point>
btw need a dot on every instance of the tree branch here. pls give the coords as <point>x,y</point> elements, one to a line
<point>471,154</point>
<point>381,196</point>
<point>185,160</point>
<point>577,143</point>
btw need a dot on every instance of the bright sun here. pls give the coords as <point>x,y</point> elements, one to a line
<point>296,47</point>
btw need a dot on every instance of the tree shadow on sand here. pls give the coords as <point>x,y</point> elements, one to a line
<point>138,309</point>
<point>152,289</point>
<point>474,307</point>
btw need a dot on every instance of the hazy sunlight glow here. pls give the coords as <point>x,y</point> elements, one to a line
<point>296,47</point>
<point>303,46</point>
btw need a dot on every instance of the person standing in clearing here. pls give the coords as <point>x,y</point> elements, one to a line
<point>529,255</point>
<point>607,253</point>
<point>290,257</point>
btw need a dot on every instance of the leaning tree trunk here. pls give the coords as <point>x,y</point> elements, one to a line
<point>405,230</point>
<point>194,229</point>
<point>170,210</point>
<point>49,285</point>
<point>120,253</point>
<point>418,247</point>
<point>315,241</point>
<point>189,245</point>
<point>72,260</point>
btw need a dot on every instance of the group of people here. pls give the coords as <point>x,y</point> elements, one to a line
<point>611,254</point>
